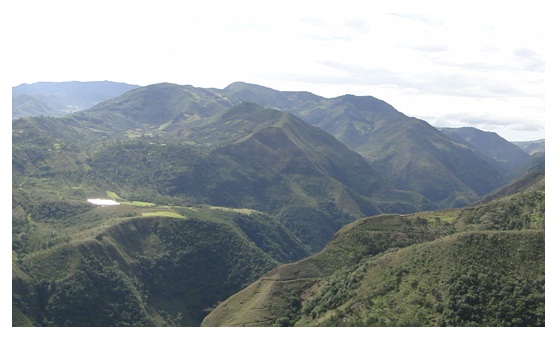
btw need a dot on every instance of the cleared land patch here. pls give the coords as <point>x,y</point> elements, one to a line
<point>164,214</point>
<point>247,211</point>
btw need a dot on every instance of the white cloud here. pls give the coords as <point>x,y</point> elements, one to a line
<point>420,62</point>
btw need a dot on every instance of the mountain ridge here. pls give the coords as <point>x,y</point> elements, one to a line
<point>387,138</point>
<point>61,98</point>
<point>505,155</point>
<point>215,192</point>
<point>366,125</point>
<point>246,156</point>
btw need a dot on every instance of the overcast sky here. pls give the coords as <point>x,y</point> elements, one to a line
<point>485,70</point>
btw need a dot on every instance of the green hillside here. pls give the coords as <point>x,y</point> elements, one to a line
<point>245,157</point>
<point>136,264</point>
<point>277,191</point>
<point>480,266</point>
<point>412,153</point>
<point>213,194</point>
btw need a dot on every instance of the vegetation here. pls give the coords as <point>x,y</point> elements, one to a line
<point>413,154</point>
<point>58,99</point>
<point>163,214</point>
<point>222,200</point>
<point>478,266</point>
<point>148,269</point>
<point>465,286</point>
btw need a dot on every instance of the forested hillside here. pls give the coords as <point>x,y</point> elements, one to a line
<point>479,266</point>
<point>301,210</point>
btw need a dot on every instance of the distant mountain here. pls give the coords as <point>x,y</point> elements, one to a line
<point>502,154</point>
<point>479,266</point>
<point>411,152</point>
<point>531,174</point>
<point>26,105</point>
<point>60,98</point>
<point>532,147</point>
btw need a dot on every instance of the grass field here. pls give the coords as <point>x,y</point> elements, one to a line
<point>138,203</point>
<point>164,214</point>
<point>238,210</point>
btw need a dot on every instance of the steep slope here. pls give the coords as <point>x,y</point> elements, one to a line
<point>479,266</point>
<point>502,154</point>
<point>412,153</point>
<point>419,157</point>
<point>317,177</point>
<point>60,98</point>
<point>139,264</point>
<point>477,278</point>
<point>137,269</point>
<point>270,161</point>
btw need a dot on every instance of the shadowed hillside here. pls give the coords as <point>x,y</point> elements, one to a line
<point>502,154</point>
<point>412,153</point>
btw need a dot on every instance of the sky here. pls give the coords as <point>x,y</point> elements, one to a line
<point>484,69</point>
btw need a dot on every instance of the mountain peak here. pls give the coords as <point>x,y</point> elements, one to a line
<point>239,85</point>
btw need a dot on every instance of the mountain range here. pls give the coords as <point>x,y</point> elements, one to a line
<point>412,154</point>
<point>61,98</point>
<point>218,187</point>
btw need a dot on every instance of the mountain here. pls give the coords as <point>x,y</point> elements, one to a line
<point>26,105</point>
<point>531,174</point>
<point>502,154</point>
<point>317,177</point>
<point>211,192</point>
<point>260,158</point>
<point>60,98</point>
<point>532,147</point>
<point>412,153</point>
<point>478,266</point>
<point>148,260</point>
